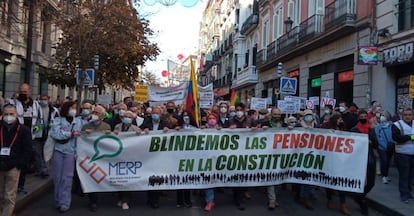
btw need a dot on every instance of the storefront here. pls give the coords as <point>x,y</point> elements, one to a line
<point>399,60</point>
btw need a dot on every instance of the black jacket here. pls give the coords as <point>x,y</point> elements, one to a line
<point>21,151</point>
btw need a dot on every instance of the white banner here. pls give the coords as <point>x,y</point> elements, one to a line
<point>258,103</point>
<point>288,107</point>
<point>165,94</point>
<point>195,158</point>
<point>206,96</point>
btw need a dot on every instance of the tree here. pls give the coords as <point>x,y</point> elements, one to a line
<point>150,78</point>
<point>111,30</point>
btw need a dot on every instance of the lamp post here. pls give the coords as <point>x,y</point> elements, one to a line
<point>288,24</point>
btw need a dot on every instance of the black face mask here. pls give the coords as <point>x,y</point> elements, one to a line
<point>170,110</point>
<point>363,121</point>
<point>22,97</point>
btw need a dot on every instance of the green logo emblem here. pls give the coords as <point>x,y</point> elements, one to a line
<point>98,151</point>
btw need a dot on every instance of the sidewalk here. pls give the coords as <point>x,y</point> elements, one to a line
<point>383,197</point>
<point>35,187</point>
<point>386,198</point>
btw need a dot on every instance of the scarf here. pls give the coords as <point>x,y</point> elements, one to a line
<point>363,128</point>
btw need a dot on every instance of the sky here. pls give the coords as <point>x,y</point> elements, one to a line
<point>176,31</point>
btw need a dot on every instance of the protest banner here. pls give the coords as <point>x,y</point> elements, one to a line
<point>288,107</point>
<point>197,159</point>
<point>206,96</point>
<point>164,94</point>
<point>104,99</point>
<point>258,103</point>
<point>328,101</point>
<point>141,93</point>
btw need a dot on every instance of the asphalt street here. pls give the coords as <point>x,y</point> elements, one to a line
<point>257,205</point>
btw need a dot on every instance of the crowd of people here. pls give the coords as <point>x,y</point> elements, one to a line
<point>26,119</point>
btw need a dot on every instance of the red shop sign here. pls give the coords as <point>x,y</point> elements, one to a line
<point>346,76</point>
<point>294,73</point>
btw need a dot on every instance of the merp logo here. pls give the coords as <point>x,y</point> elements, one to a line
<point>111,150</point>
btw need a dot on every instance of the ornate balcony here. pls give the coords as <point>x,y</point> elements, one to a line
<point>245,77</point>
<point>339,13</point>
<point>250,24</point>
<point>271,50</point>
<point>289,40</point>
<point>260,57</point>
<point>310,28</point>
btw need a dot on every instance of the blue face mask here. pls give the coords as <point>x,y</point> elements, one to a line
<point>308,118</point>
<point>85,112</point>
<point>126,120</point>
<point>155,117</point>
<point>293,124</point>
<point>232,114</point>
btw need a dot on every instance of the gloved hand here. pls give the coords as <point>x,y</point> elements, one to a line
<point>36,128</point>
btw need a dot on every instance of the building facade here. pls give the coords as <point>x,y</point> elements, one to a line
<point>319,43</point>
<point>14,25</point>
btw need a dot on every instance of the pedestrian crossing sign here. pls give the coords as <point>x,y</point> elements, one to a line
<point>85,77</point>
<point>288,85</point>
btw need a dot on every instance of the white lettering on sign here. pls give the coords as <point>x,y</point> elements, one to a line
<point>398,54</point>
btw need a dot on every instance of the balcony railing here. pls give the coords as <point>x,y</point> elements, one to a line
<point>247,75</point>
<point>259,57</point>
<point>251,23</point>
<point>310,27</point>
<point>340,12</point>
<point>288,40</point>
<point>271,50</point>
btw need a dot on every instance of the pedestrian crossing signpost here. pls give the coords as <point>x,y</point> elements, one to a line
<point>288,85</point>
<point>85,77</point>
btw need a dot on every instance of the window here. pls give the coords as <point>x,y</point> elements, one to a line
<point>265,33</point>
<point>294,11</point>
<point>278,22</point>
<point>405,14</point>
<point>316,7</point>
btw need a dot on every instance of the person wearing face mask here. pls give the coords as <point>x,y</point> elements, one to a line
<point>65,130</point>
<point>47,117</point>
<point>240,121</point>
<point>172,116</point>
<point>305,192</point>
<point>402,133</point>
<point>363,126</point>
<point>386,145</point>
<point>96,124</point>
<point>337,123</point>
<point>275,119</point>
<point>212,122</point>
<point>263,118</point>
<point>375,106</point>
<point>14,155</point>
<point>125,125</point>
<point>224,118</point>
<point>29,113</point>
<point>187,121</point>
<point>117,117</point>
<point>154,124</point>
<point>85,113</point>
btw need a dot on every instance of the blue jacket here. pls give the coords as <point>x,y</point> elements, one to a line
<point>62,130</point>
<point>383,134</point>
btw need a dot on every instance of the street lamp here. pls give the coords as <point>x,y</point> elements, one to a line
<point>288,24</point>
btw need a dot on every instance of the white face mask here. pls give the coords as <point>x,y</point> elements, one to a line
<point>341,109</point>
<point>239,113</point>
<point>121,113</point>
<point>94,117</point>
<point>9,119</point>
<point>327,111</point>
<point>261,116</point>
<point>223,110</point>
<point>72,112</point>
<point>383,119</point>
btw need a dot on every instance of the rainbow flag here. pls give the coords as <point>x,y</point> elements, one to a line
<point>233,98</point>
<point>192,106</point>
